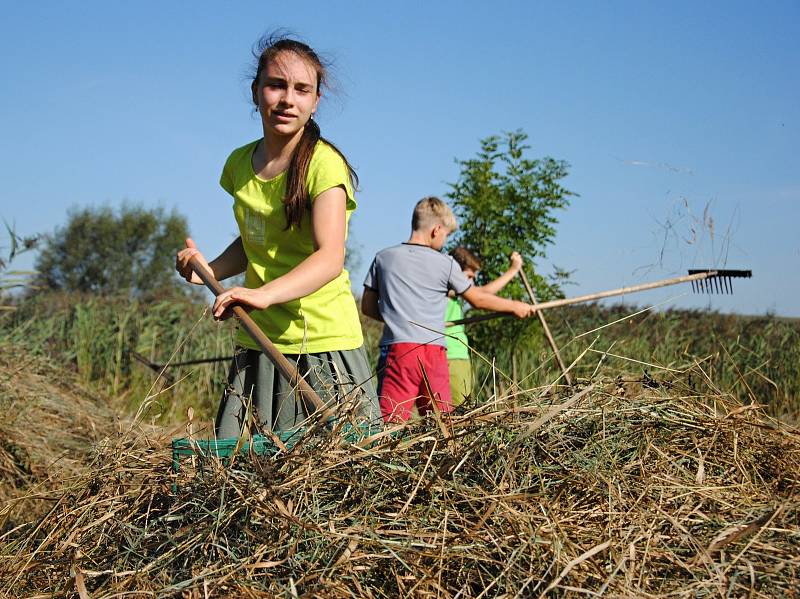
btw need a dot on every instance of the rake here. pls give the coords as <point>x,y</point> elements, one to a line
<point>548,335</point>
<point>702,280</point>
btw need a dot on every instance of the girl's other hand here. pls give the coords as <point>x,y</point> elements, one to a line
<point>182,262</point>
<point>516,261</point>
<point>249,299</point>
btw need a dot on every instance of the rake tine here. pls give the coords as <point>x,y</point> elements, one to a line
<point>717,281</point>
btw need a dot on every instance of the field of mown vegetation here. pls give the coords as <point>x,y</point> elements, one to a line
<point>671,468</point>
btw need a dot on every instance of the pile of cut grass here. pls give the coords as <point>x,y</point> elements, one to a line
<point>48,427</point>
<point>636,487</point>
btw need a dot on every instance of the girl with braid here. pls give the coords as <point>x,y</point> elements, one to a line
<point>293,195</point>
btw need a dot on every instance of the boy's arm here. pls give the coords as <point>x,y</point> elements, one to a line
<point>478,298</point>
<point>504,279</point>
<point>369,304</point>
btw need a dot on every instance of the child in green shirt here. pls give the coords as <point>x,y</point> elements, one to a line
<point>458,358</point>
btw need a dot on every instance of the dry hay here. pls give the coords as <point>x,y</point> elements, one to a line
<point>48,426</point>
<point>638,488</point>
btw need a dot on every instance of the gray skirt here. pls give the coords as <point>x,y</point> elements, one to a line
<point>343,379</point>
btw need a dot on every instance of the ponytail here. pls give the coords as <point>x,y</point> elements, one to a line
<point>297,198</point>
<point>294,203</point>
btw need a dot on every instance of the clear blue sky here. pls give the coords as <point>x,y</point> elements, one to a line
<point>663,110</point>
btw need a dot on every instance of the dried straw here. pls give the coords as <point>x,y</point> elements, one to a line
<point>646,488</point>
<point>48,426</point>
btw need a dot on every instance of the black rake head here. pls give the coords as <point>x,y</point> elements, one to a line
<point>717,280</point>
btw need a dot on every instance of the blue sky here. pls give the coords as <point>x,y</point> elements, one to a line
<point>665,111</point>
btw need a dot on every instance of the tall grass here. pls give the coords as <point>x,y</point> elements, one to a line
<point>755,359</point>
<point>95,337</point>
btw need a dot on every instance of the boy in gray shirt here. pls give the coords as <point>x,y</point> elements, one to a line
<point>406,288</point>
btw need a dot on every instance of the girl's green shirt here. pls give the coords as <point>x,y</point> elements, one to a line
<point>457,348</point>
<point>325,320</point>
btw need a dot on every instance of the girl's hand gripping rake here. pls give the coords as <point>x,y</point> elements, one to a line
<point>285,367</point>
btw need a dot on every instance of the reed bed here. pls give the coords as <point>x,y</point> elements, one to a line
<point>94,337</point>
<point>754,357</point>
<point>621,487</point>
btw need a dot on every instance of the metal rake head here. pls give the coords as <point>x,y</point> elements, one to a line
<point>717,280</point>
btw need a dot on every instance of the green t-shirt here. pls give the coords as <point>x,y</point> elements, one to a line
<point>326,320</point>
<point>456,348</point>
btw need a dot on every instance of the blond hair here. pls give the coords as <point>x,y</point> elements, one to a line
<point>432,211</point>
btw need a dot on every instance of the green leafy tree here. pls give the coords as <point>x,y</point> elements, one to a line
<point>131,250</point>
<point>507,202</point>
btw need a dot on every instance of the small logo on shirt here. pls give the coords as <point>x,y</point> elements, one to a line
<point>255,227</point>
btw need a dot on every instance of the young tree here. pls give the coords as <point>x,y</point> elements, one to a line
<point>506,202</point>
<point>99,250</point>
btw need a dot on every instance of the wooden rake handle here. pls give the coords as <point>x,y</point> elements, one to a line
<point>545,328</point>
<point>568,301</point>
<point>277,358</point>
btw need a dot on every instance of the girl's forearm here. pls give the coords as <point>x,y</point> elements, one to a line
<point>231,262</point>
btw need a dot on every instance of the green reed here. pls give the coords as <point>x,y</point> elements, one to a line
<point>95,337</point>
<point>754,358</point>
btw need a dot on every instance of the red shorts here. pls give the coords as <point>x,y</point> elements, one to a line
<point>401,384</point>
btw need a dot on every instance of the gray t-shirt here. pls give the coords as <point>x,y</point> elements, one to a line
<point>412,282</point>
